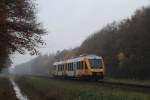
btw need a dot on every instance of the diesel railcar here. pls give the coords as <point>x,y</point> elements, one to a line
<point>82,67</point>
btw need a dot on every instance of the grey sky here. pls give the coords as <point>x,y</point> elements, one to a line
<point>69,22</point>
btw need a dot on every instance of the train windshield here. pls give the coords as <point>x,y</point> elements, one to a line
<point>95,63</point>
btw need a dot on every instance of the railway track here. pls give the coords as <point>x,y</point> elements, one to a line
<point>110,84</point>
<point>125,86</point>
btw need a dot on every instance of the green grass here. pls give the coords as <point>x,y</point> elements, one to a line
<point>47,89</point>
<point>131,81</point>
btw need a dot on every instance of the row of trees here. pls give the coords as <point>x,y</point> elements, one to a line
<point>19,29</point>
<point>125,46</point>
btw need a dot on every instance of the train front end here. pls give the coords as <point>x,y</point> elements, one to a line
<point>96,65</point>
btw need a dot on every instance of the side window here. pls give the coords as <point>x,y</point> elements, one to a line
<point>58,67</point>
<point>77,65</point>
<point>81,66</point>
<point>67,66</point>
<point>72,66</point>
<point>63,67</point>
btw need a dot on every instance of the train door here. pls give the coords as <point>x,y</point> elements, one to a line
<point>75,68</point>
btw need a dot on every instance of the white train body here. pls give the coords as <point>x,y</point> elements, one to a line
<point>89,66</point>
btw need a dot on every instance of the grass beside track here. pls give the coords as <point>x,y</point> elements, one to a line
<point>49,89</point>
<point>129,81</point>
<point>6,90</point>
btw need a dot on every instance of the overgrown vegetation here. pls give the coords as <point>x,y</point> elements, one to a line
<point>66,90</point>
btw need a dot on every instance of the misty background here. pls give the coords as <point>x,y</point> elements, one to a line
<point>70,22</point>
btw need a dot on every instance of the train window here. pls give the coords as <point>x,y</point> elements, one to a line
<point>81,66</point>
<point>72,66</point>
<point>58,67</point>
<point>95,63</point>
<point>63,67</point>
<point>77,65</point>
<point>68,67</point>
<point>82,63</point>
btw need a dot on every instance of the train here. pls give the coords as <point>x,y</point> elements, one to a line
<point>87,67</point>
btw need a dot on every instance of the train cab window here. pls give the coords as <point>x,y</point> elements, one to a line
<point>95,63</point>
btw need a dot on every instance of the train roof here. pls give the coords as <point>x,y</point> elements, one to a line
<point>80,58</point>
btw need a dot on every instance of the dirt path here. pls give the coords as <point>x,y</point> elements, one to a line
<point>6,90</point>
<point>19,93</point>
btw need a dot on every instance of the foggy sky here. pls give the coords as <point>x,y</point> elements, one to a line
<point>69,22</point>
